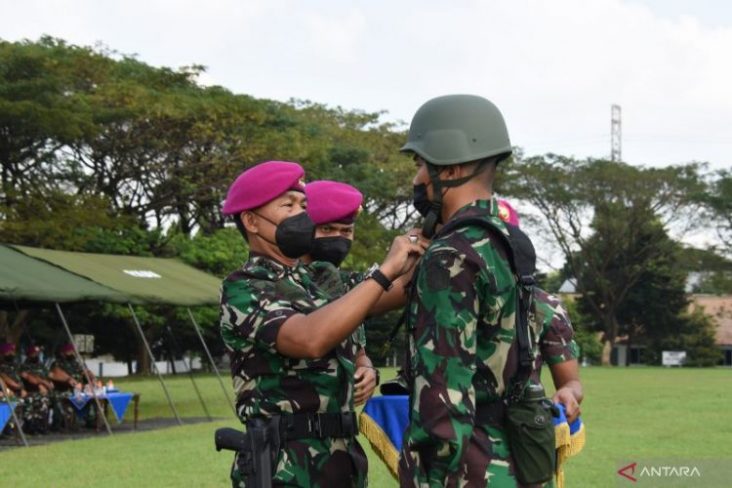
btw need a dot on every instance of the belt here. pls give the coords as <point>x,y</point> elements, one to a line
<point>319,425</point>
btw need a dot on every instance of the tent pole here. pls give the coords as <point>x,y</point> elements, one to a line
<point>92,386</point>
<point>189,365</point>
<point>210,358</point>
<point>6,392</point>
<point>152,359</point>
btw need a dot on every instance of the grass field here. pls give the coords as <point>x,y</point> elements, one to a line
<point>629,413</point>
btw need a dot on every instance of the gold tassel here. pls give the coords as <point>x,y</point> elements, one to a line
<point>567,447</point>
<point>380,443</point>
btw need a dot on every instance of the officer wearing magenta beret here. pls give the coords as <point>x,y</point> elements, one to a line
<point>284,333</point>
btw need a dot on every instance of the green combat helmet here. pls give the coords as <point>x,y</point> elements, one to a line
<point>455,129</point>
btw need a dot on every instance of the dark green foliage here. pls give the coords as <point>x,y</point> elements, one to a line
<point>695,335</point>
<point>103,153</point>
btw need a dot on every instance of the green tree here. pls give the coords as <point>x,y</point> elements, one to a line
<point>595,211</point>
<point>718,202</point>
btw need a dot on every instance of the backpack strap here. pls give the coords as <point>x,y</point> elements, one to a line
<point>522,259</point>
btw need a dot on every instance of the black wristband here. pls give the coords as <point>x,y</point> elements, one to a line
<point>380,278</point>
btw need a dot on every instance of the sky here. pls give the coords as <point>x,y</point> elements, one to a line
<point>554,68</point>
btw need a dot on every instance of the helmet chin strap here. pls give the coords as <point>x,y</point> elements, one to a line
<point>434,217</point>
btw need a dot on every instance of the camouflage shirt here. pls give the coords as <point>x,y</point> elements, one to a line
<point>255,301</point>
<point>72,367</point>
<point>37,368</point>
<point>11,370</point>
<point>336,285</point>
<point>461,323</point>
<point>551,325</point>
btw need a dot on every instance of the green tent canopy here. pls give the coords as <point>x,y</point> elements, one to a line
<point>24,279</point>
<point>141,279</point>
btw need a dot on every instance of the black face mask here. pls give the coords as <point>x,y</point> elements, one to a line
<point>331,249</point>
<point>294,235</point>
<point>421,202</point>
<point>34,359</point>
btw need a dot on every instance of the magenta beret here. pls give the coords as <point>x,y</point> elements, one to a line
<point>332,201</point>
<point>68,347</point>
<point>261,184</point>
<point>7,348</point>
<point>31,350</point>
<point>507,213</point>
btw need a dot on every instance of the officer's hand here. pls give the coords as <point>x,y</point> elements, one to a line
<point>401,253</point>
<point>417,232</point>
<point>566,397</point>
<point>365,384</point>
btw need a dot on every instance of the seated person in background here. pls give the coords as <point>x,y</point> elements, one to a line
<point>9,371</point>
<point>66,372</point>
<point>33,409</point>
<point>34,373</point>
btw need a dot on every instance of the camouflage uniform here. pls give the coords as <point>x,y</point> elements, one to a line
<point>33,410</point>
<point>551,325</point>
<point>337,284</point>
<point>461,323</point>
<point>64,407</point>
<point>53,397</point>
<point>72,367</point>
<point>255,301</point>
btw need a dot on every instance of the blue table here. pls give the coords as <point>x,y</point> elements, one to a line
<point>118,400</point>
<point>6,413</point>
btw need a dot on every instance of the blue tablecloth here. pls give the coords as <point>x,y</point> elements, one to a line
<point>118,400</point>
<point>391,413</point>
<point>6,413</point>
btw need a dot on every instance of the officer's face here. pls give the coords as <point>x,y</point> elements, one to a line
<point>287,205</point>
<point>335,229</point>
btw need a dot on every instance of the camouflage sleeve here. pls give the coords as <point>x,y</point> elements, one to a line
<point>444,362</point>
<point>556,341</point>
<point>351,279</point>
<point>359,336</point>
<point>251,314</point>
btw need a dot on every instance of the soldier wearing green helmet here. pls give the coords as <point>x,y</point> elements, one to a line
<point>453,130</point>
<point>461,315</point>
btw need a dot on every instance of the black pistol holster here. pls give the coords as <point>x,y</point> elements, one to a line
<point>257,449</point>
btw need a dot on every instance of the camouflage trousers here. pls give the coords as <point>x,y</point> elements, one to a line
<point>488,462</point>
<point>70,415</point>
<point>33,412</point>
<point>316,463</point>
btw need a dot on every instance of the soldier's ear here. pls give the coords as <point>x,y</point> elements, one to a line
<point>250,221</point>
<point>452,172</point>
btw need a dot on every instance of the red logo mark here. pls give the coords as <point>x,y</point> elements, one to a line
<point>628,472</point>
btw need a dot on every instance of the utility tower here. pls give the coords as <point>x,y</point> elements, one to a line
<point>616,134</point>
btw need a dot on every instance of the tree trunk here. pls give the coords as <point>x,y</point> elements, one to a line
<point>11,332</point>
<point>607,349</point>
<point>611,334</point>
<point>143,360</point>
